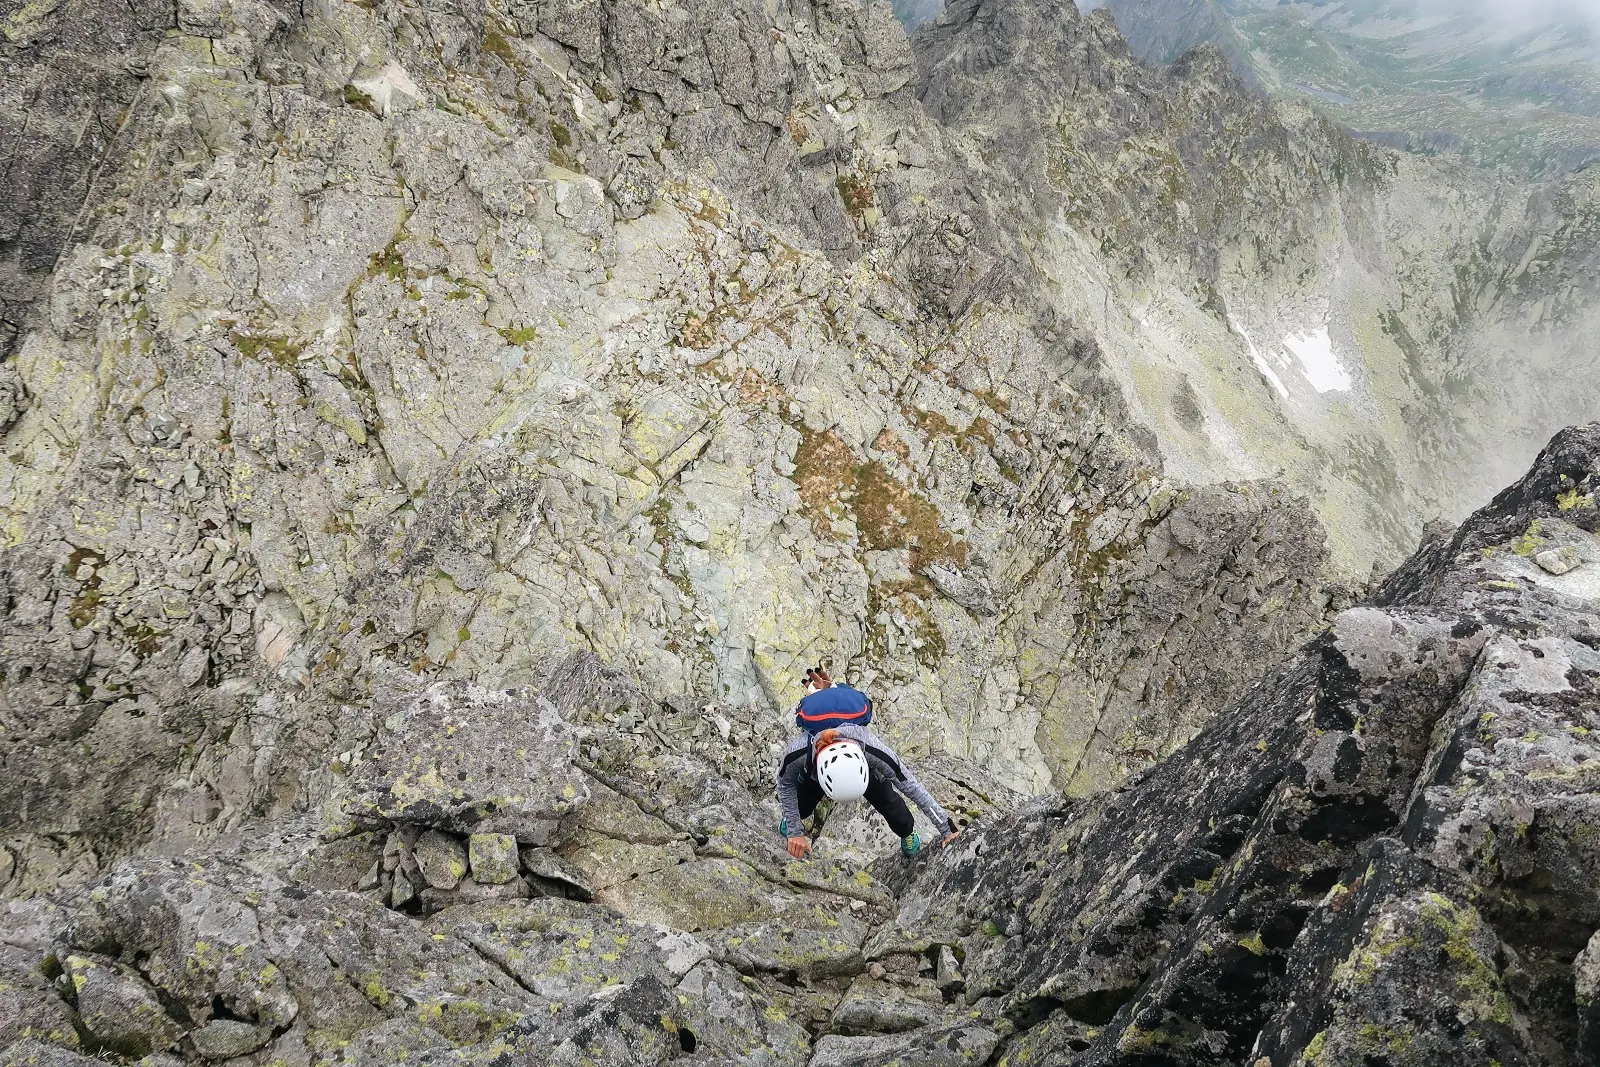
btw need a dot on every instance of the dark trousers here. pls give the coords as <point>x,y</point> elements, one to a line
<point>880,794</point>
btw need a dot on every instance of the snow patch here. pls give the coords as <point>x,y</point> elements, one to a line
<point>391,89</point>
<point>1261,364</point>
<point>1314,351</point>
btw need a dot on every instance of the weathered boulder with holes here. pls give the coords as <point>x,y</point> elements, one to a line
<point>117,1009</point>
<point>465,759</point>
<point>1387,852</point>
<point>29,1006</point>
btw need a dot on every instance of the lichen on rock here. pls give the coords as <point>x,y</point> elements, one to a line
<point>437,435</point>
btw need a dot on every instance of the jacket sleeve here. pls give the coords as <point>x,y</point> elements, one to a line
<point>904,780</point>
<point>789,795</point>
<point>923,799</point>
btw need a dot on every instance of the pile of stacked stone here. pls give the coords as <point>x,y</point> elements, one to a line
<point>462,823</point>
<point>426,870</point>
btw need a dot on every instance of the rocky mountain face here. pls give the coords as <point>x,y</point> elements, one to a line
<point>1507,85</point>
<point>1385,852</point>
<point>446,342</point>
<point>1382,854</point>
<point>437,432</point>
<point>1274,297</point>
<point>1400,306</point>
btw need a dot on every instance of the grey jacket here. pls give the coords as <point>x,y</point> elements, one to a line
<point>795,767</point>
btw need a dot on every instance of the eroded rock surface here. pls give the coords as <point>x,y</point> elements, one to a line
<point>1384,853</point>
<point>441,437</point>
<point>446,343</point>
<point>658,919</point>
<point>1385,850</point>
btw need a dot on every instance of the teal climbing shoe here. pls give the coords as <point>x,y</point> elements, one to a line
<point>910,845</point>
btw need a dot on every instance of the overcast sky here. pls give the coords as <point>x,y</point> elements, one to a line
<point>1519,11</point>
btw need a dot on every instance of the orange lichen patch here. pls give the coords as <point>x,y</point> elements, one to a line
<point>268,348</point>
<point>930,423</point>
<point>888,441</point>
<point>980,430</point>
<point>856,192</point>
<point>754,389</point>
<point>824,471</point>
<point>889,514</point>
<point>329,663</point>
<point>697,333</point>
<point>798,131</point>
<point>710,211</point>
<point>910,600</point>
<point>996,403</point>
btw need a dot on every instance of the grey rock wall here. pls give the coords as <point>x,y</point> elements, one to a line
<point>71,73</point>
<point>446,430</point>
<point>1384,850</point>
<point>439,342</point>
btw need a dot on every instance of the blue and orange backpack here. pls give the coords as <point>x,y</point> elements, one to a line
<point>831,706</point>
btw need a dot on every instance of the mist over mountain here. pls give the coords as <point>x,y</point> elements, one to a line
<point>1502,84</point>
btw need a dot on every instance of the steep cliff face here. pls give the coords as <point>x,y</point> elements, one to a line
<point>443,429</point>
<point>69,74</point>
<point>1385,851</point>
<point>1273,296</point>
<point>432,342</point>
<point>450,339</point>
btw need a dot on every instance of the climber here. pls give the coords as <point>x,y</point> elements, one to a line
<point>836,756</point>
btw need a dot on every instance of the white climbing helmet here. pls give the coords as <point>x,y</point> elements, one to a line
<point>842,770</point>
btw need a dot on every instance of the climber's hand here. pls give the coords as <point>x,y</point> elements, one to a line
<point>949,837</point>
<point>799,847</point>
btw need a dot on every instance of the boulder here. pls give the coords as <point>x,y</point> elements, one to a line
<point>29,1005</point>
<point>472,892</point>
<point>776,949</point>
<point>466,759</point>
<point>492,857</point>
<point>552,876</point>
<point>962,1046</point>
<point>1382,853</point>
<point>31,1052</point>
<point>1586,994</point>
<point>872,1006</point>
<point>341,864</point>
<point>441,858</point>
<point>947,972</point>
<point>224,1039</point>
<point>118,1009</point>
<point>632,1025</point>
